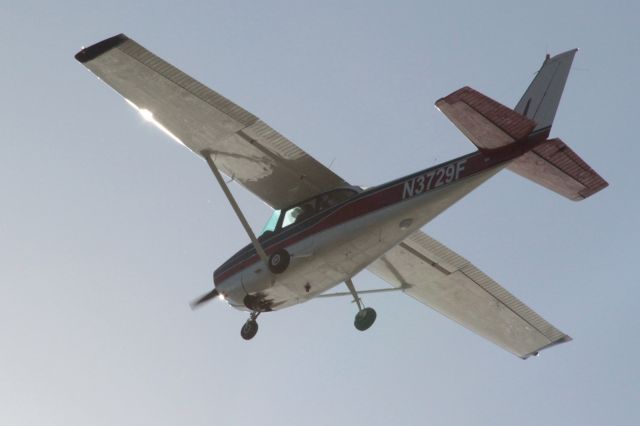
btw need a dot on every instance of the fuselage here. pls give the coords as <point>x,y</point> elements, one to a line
<point>336,242</point>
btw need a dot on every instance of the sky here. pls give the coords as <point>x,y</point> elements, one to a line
<point>108,228</point>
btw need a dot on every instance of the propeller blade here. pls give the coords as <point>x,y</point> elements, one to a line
<point>204,298</point>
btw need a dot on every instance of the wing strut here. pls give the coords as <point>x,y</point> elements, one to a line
<point>208,155</point>
<point>375,290</point>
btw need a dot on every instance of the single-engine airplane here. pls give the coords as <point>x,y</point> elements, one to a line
<point>324,231</point>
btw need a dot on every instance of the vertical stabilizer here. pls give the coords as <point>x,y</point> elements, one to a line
<point>540,101</point>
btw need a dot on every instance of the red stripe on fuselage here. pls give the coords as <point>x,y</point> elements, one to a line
<point>391,193</point>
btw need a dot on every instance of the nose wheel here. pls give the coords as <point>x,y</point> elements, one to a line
<point>250,328</point>
<point>365,316</point>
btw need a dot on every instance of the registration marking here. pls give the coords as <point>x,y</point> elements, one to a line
<point>433,179</point>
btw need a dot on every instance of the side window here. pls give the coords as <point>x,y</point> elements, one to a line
<point>334,197</point>
<point>303,211</point>
<point>299,213</point>
<point>290,216</point>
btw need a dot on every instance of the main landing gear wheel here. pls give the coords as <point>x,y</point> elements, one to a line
<point>249,329</point>
<point>365,319</point>
<point>365,316</point>
<point>279,261</point>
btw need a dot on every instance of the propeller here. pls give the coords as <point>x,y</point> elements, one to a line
<point>204,299</point>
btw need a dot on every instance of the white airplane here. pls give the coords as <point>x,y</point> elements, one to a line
<point>324,231</point>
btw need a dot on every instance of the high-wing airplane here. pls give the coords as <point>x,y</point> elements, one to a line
<point>324,231</point>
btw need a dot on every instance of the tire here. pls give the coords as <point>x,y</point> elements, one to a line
<point>249,329</point>
<point>279,261</point>
<point>365,319</point>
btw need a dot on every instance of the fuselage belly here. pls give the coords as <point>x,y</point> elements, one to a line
<point>327,258</point>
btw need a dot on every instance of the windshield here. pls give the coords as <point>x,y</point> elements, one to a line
<point>270,226</point>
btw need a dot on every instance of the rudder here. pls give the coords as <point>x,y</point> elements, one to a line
<point>553,164</point>
<point>541,99</point>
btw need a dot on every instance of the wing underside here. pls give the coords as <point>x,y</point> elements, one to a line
<point>243,146</point>
<point>555,166</point>
<point>450,284</point>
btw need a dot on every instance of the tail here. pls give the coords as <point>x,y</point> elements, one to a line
<point>490,125</point>
<point>540,101</point>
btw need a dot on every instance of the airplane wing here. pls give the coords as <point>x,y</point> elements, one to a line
<point>450,284</point>
<point>243,146</point>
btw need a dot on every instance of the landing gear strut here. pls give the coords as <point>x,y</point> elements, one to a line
<point>365,316</point>
<point>250,328</point>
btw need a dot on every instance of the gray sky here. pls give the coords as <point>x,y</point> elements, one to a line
<point>109,228</point>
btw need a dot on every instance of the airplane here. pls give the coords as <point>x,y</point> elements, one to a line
<point>324,231</point>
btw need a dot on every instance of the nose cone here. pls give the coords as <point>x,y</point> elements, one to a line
<point>216,277</point>
<point>230,285</point>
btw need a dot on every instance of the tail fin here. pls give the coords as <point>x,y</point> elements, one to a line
<point>490,125</point>
<point>540,101</point>
<point>553,164</point>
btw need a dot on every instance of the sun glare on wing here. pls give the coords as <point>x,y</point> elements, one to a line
<point>148,116</point>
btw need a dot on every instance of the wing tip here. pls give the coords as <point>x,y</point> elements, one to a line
<point>95,50</point>
<point>563,339</point>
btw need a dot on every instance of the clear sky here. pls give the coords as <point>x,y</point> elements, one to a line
<point>108,228</point>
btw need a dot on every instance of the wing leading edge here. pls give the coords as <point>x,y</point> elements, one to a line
<point>244,147</point>
<point>450,284</point>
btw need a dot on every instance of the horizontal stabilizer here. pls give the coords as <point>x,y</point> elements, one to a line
<point>487,123</point>
<point>556,167</point>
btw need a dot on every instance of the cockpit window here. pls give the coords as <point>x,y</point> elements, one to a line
<point>271,224</point>
<point>282,218</point>
<point>299,213</point>
<point>334,197</point>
